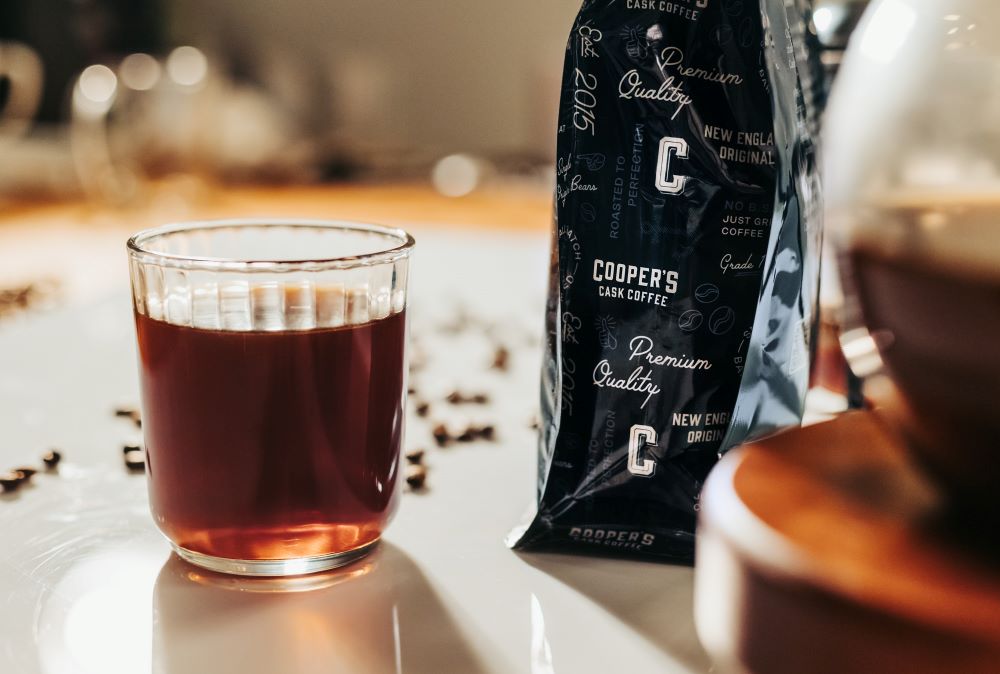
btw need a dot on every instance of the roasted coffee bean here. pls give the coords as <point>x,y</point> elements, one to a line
<point>415,457</point>
<point>23,298</point>
<point>690,320</point>
<point>423,409</point>
<point>131,448</point>
<point>534,424</point>
<point>135,460</point>
<point>411,391</point>
<point>501,359</point>
<point>706,293</point>
<point>441,435</point>
<point>417,477</point>
<point>25,473</point>
<point>459,398</point>
<point>722,320</point>
<point>473,432</point>
<point>10,482</point>
<point>52,459</point>
<point>126,412</point>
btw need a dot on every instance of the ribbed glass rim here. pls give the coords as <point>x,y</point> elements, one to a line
<point>138,251</point>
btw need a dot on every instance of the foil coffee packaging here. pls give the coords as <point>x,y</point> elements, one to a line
<point>685,264</point>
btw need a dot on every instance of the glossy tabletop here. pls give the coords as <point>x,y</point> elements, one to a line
<point>87,584</point>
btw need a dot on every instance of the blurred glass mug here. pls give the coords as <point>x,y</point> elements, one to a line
<point>21,77</point>
<point>272,362</point>
<point>913,188</point>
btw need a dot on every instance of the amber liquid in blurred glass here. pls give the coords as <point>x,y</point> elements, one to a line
<point>273,445</point>
<point>928,280</point>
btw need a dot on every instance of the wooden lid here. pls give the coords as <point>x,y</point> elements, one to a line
<point>839,507</point>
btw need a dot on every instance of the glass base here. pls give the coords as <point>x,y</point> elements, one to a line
<point>270,568</point>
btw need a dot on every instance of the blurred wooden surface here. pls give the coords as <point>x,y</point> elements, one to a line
<point>845,561</point>
<point>83,244</point>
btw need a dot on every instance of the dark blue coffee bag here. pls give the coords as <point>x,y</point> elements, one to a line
<point>685,264</point>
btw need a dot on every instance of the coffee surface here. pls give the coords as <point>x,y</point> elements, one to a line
<point>272,445</point>
<point>927,276</point>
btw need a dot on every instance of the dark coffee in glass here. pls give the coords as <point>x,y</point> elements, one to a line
<point>273,392</point>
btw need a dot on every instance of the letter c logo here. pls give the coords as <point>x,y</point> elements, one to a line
<point>664,183</point>
<point>639,437</point>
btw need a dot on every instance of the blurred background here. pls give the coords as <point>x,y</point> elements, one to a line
<point>116,115</point>
<point>111,100</point>
<point>120,92</point>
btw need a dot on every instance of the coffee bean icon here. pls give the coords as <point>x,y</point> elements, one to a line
<point>722,320</point>
<point>723,35</point>
<point>593,161</point>
<point>706,293</point>
<point>690,320</point>
<point>733,7</point>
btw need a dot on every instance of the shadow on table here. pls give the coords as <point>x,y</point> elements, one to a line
<point>379,615</point>
<point>655,600</point>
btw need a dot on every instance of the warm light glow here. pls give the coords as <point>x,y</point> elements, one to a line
<point>187,66</point>
<point>456,175</point>
<point>98,84</point>
<point>99,621</point>
<point>823,18</point>
<point>887,30</point>
<point>139,71</point>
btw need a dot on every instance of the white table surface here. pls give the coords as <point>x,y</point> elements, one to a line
<point>87,584</point>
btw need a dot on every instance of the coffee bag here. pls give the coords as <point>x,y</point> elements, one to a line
<point>685,264</point>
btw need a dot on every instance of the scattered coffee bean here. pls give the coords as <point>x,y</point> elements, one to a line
<point>25,473</point>
<point>441,435</point>
<point>423,409</point>
<point>52,459</point>
<point>459,398</point>
<point>135,460</point>
<point>415,457</point>
<point>501,359</point>
<point>460,322</point>
<point>131,448</point>
<point>411,391</point>
<point>131,413</point>
<point>10,482</point>
<point>474,432</point>
<point>417,477</point>
<point>23,298</point>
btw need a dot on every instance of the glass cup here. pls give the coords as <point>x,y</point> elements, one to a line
<point>272,361</point>
<point>913,202</point>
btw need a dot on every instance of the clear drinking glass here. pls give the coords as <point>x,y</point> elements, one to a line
<point>272,361</point>
<point>913,194</point>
